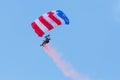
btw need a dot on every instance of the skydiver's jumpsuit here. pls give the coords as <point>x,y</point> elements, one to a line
<point>47,40</point>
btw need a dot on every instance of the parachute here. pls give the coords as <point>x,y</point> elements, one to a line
<point>49,21</point>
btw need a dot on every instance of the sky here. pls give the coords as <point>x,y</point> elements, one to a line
<point>90,43</point>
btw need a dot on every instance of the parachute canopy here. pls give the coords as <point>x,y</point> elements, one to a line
<point>49,21</point>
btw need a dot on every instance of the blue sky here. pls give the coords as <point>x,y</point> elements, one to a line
<point>91,43</point>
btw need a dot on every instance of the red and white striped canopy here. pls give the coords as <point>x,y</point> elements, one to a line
<point>47,22</point>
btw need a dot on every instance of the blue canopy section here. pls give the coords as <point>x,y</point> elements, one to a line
<point>63,16</point>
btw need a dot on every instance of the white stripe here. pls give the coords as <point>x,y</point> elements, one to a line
<point>41,26</point>
<point>53,23</point>
<point>59,18</point>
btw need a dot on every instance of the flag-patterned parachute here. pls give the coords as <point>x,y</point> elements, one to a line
<point>49,21</point>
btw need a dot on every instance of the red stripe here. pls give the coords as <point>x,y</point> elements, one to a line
<point>50,13</point>
<point>37,29</point>
<point>47,24</point>
<point>55,19</point>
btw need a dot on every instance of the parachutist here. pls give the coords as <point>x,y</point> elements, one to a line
<point>47,22</point>
<point>46,41</point>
